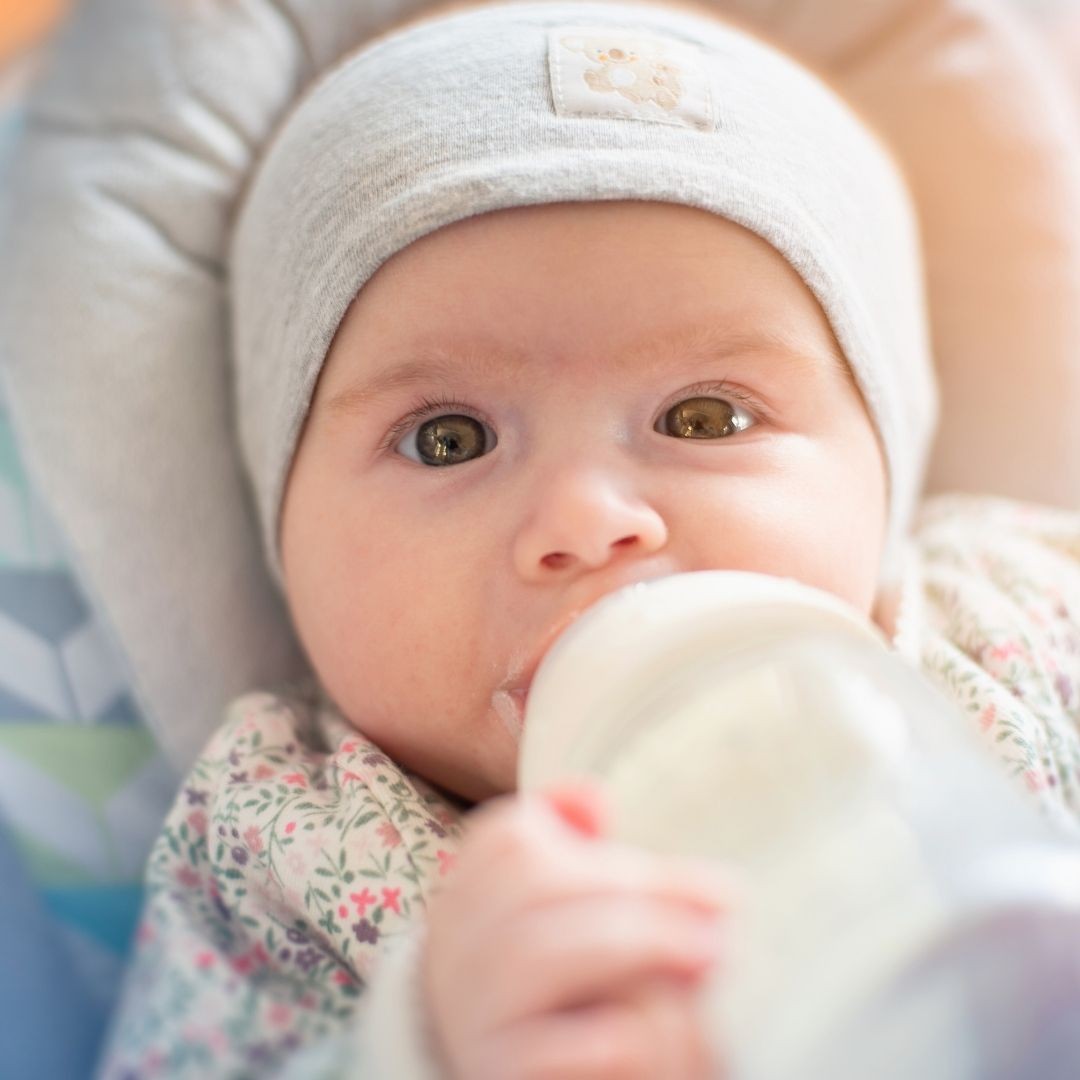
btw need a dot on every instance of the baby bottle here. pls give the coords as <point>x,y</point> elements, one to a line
<point>908,915</point>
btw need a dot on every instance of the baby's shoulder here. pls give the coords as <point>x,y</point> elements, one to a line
<point>999,585</point>
<point>1022,552</point>
<point>294,852</point>
<point>291,746</point>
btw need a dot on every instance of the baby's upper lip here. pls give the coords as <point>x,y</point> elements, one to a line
<point>523,678</point>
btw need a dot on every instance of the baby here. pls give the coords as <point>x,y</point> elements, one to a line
<point>532,301</point>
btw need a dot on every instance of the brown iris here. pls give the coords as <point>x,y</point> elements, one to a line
<point>448,440</point>
<point>701,418</point>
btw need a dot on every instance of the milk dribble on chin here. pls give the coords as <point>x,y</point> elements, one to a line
<point>768,725</point>
<point>510,707</point>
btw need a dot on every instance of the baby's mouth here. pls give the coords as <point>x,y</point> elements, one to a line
<point>510,705</point>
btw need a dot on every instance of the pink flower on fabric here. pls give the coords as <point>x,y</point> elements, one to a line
<point>257,957</point>
<point>1035,780</point>
<point>343,978</point>
<point>290,826</point>
<point>153,1061</point>
<point>986,718</point>
<point>389,834</point>
<point>391,900</point>
<point>295,778</point>
<point>253,839</point>
<point>197,820</point>
<point>279,1015</point>
<point>362,900</point>
<point>204,960</point>
<point>446,862</point>
<point>1003,652</point>
<point>348,747</point>
<point>188,877</point>
<point>1064,687</point>
<point>263,771</point>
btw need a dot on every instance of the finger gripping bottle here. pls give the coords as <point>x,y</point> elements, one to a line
<point>908,914</point>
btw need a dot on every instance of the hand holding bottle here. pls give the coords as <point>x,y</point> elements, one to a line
<point>553,951</point>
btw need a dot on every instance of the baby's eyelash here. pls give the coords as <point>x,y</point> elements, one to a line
<point>723,390</point>
<point>428,406</point>
<point>434,406</point>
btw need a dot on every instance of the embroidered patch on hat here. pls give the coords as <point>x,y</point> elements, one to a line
<point>605,71</point>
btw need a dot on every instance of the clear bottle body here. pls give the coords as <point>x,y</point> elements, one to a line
<point>887,927</point>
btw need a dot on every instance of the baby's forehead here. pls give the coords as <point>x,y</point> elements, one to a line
<point>616,277</point>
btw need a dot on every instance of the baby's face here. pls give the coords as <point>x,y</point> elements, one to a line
<point>615,391</point>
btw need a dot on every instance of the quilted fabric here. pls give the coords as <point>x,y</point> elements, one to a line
<point>83,787</point>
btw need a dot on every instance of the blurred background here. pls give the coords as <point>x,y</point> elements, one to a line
<point>22,22</point>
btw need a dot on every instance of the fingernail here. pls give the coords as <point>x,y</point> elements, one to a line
<point>581,806</point>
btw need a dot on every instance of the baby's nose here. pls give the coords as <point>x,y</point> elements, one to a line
<point>586,519</point>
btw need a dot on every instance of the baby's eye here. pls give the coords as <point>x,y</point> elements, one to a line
<point>703,418</point>
<point>453,438</point>
<point>448,440</point>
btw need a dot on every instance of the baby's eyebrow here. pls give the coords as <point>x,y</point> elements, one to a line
<point>440,363</point>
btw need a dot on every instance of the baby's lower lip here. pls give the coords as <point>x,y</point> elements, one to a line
<point>510,705</point>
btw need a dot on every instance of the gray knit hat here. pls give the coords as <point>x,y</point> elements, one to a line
<point>541,102</point>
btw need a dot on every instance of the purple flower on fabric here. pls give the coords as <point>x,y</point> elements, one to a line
<point>435,827</point>
<point>285,954</point>
<point>307,958</point>
<point>240,855</point>
<point>195,797</point>
<point>366,931</point>
<point>1064,687</point>
<point>298,937</point>
<point>238,777</point>
<point>234,758</point>
<point>376,759</point>
<point>259,1054</point>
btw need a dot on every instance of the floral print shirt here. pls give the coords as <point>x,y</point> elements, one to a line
<point>297,851</point>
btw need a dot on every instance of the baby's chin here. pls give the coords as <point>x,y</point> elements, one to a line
<point>487,764</point>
